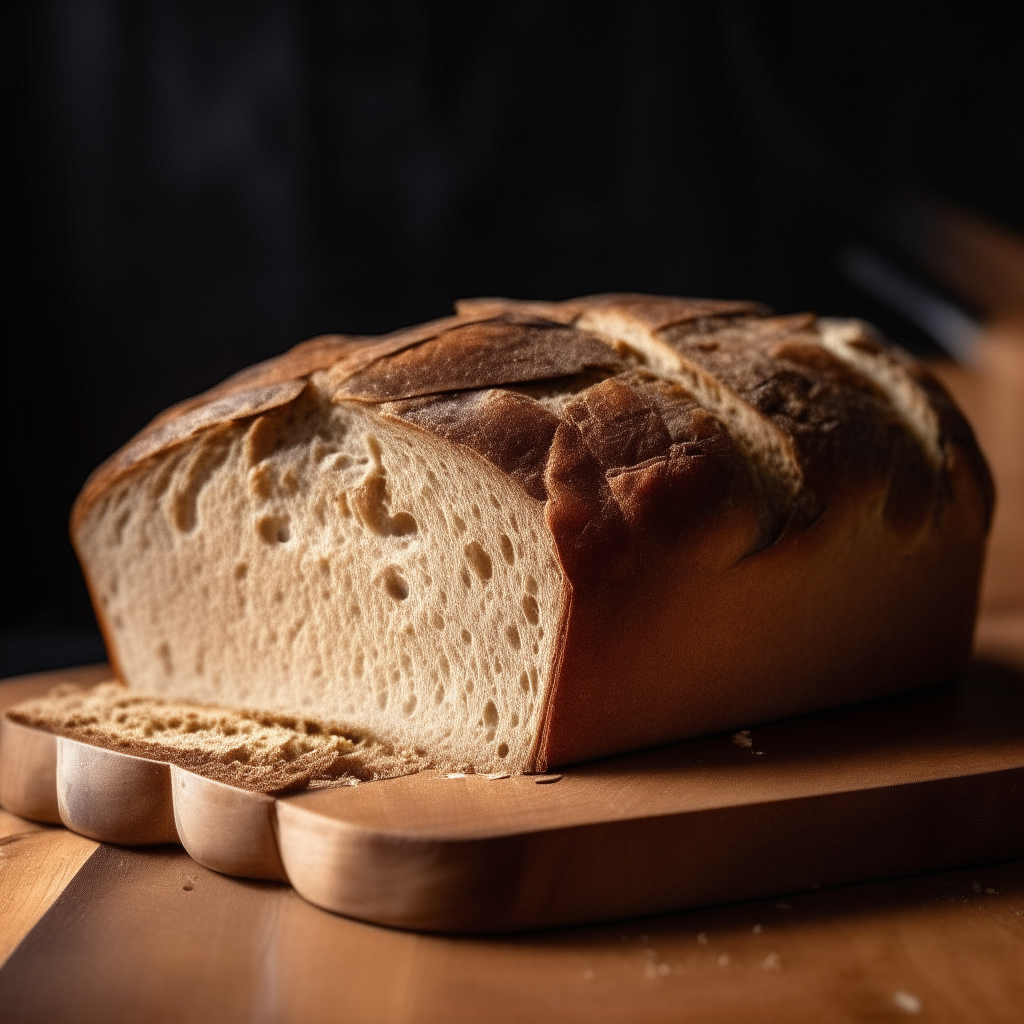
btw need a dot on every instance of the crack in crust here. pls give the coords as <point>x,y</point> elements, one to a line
<point>632,416</point>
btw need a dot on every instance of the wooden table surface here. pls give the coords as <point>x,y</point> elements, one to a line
<point>96,932</point>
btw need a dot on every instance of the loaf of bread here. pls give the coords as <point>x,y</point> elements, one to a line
<point>536,533</point>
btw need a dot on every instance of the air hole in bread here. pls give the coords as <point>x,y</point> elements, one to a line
<point>274,529</point>
<point>120,524</point>
<point>479,560</point>
<point>507,551</point>
<point>395,584</point>
<point>199,470</point>
<point>163,652</point>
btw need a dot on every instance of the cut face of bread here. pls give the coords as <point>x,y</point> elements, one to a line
<point>537,533</point>
<point>412,589</point>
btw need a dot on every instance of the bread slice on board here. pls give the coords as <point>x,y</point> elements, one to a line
<point>536,533</point>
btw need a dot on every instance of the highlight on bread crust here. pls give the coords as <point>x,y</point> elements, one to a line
<point>533,533</point>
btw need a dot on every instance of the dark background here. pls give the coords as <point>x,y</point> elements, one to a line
<point>196,186</point>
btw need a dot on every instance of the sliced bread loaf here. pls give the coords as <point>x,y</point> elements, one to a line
<point>535,533</point>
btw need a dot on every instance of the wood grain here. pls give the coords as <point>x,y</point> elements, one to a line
<point>146,934</point>
<point>36,863</point>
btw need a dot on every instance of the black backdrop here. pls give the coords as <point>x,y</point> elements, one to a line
<point>195,186</point>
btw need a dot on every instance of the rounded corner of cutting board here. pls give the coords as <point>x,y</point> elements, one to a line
<point>28,772</point>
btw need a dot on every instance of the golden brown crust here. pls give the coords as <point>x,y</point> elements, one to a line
<point>469,377</point>
<point>507,428</point>
<point>842,428</point>
<point>505,350</point>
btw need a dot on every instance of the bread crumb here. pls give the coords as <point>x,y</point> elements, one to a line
<point>907,1001</point>
<point>723,960</point>
<point>656,970</point>
<point>757,929</point>
<point>770,962</point>
<point>742,739</point>
<point>546,779</point>
<point>702,938</point>
<point>264,752</point>
<point>976,886</point>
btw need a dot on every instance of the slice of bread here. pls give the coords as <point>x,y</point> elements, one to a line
<point>536,533</point>
<point>264,752</point>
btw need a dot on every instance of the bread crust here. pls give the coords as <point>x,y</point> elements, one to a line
<point>752,518</point>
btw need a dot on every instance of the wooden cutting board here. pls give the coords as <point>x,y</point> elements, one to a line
<point>925,782</point>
